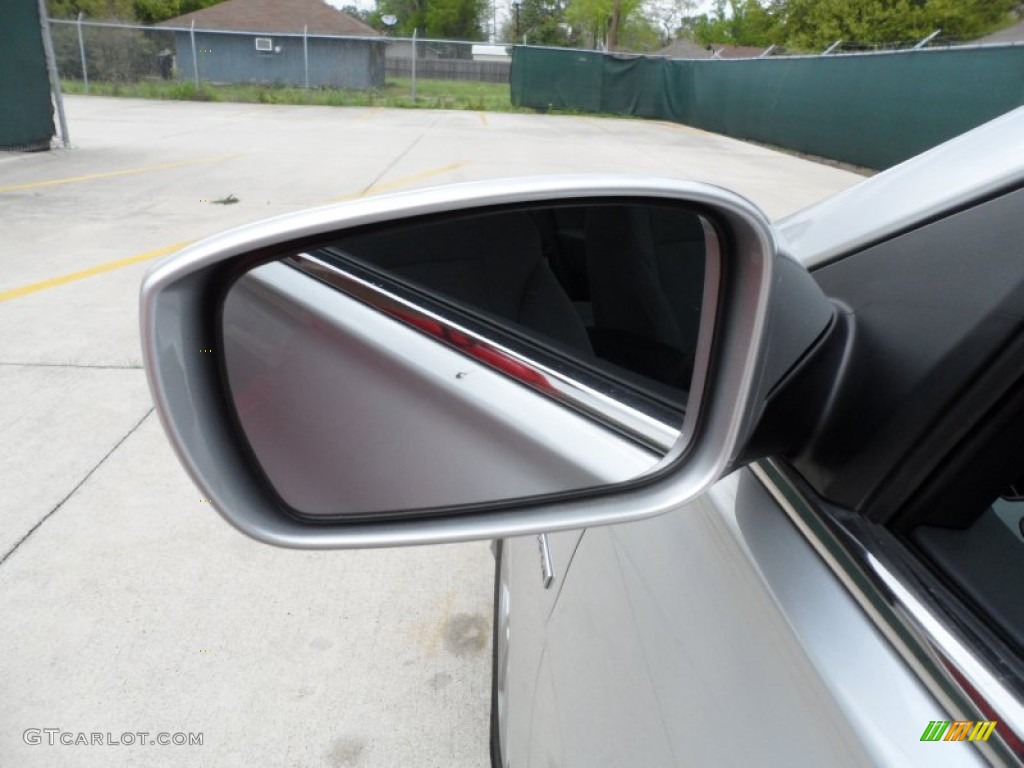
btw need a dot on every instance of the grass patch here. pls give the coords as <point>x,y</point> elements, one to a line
<point>430,94</point>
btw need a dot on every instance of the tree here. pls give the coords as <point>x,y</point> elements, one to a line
<point>668,16</point>
<point>814,24</point>
<point>970,19</point>
<point>439,19</point>
<point>93,9</point>
<point>640,34</point>
<point>601,20</point>
<point>737,22</point>
<point>541,22</point>
<point>455,19</point>
<point>366,16</point>
<point>146,11</point>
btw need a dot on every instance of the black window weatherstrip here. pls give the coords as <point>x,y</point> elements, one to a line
<point>635,417</point>
<point>968,679</point>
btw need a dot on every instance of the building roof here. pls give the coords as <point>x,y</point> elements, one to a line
<point>736,51</point>
<point>1012,34</point>
<point>274,16</point>
<point>688,49</point>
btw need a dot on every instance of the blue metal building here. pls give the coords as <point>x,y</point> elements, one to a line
<point>297,42</point>
<point>256,57</point>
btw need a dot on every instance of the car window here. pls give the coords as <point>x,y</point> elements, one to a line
<point>1009,509</point>
<point>982,557</point>
<point>614,287</point>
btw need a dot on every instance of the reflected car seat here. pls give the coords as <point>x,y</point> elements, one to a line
<point>492,262</point>
<point>645,266</point>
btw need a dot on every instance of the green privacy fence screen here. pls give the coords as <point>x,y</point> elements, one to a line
<point>26,115</point>
<point>872,110</point>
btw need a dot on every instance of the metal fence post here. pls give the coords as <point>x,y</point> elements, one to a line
<point>195,59</point>
<point>927,40</point>
<point>414,64</point>
<point>305,52</point>
<point>51,68</point>
<point>81,49</point>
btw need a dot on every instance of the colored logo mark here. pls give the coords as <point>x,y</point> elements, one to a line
<point>959,730</point>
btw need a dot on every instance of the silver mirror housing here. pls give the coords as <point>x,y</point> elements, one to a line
<point>768,314</point>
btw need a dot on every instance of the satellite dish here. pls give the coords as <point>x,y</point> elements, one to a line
<point>389,19</point>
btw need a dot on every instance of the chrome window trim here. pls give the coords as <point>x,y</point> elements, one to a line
<point>967,680</point>
<point>627,412</point>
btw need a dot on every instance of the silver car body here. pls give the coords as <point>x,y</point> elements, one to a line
<point>718,634</point>
<point>743,627</point>
<point>713,635</point>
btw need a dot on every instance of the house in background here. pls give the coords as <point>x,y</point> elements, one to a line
<point>724,51</point>
<point>682,48</point>
<point>483,52</point>
<point>275,42</point>
<point>689,49</point>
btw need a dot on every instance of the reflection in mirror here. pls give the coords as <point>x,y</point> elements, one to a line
<point>471,359</point>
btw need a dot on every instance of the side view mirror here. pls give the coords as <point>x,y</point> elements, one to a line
<point>476,361</point>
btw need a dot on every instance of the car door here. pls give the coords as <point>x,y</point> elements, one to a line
<point>524,603</point>
<point>721,628</point>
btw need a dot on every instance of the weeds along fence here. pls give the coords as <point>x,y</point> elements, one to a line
<point>108,52</point>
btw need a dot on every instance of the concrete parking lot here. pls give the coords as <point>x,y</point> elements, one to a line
<point>128,605</point>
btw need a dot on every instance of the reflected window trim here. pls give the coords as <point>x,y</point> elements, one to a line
<point>629,413</point>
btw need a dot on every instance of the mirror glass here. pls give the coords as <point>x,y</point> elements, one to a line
<point>472,358</point>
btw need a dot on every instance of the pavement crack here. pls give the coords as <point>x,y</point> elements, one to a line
<point>74,490</point>
<point>401,155</point>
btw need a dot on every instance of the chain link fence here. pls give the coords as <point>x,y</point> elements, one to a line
<point>104,56</point>
<point>448,60</point>
<point>935,40</point>
<point>112,53</point>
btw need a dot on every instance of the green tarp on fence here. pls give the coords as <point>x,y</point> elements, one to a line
<point>872,110</point>
<point>26,117</point>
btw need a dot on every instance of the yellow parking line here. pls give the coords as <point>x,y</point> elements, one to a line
<point>110,174</point>
<point>117,264</point>
<point>376,188</point>
<point>43,285</point>
<point>372,112</point>
<point>483,118</point>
